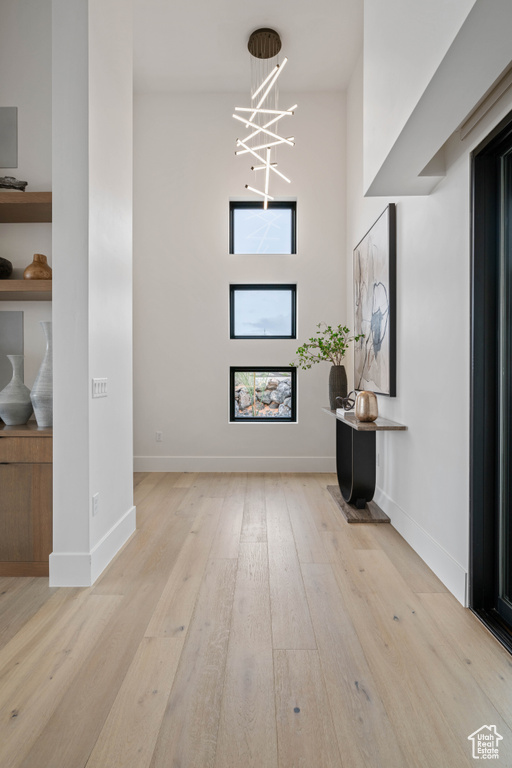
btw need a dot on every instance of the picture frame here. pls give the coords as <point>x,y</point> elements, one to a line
<point>375,307</point>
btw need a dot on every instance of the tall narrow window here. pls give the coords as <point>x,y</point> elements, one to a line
<point>262,311</point>
<point>255,230</point>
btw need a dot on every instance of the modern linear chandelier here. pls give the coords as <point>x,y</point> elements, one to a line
<point>264,113</point>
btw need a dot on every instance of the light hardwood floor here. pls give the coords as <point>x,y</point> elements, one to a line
<point>247,625</point>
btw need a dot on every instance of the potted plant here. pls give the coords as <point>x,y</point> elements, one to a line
<point>329,344</point>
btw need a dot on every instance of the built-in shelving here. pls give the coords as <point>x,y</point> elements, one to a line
<point>21,207</point>
<point>25,290</point>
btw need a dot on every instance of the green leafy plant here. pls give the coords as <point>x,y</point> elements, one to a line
<point>330,344</point>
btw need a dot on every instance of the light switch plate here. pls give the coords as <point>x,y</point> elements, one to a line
<point>99,387</point>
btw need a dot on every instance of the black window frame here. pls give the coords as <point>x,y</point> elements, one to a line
<point>291,287</point>
<point>262,369</point>
<point>255,205</point>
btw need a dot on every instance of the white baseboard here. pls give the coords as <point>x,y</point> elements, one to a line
<point>81,569</point>
<point>447,569</point>
<point>112,542</point>
<point>234,464</point>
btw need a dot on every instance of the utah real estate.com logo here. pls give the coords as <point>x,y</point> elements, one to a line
<point>486,743</point>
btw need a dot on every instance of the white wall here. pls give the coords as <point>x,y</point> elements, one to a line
<point>423,479</point>
<point>404,43</point>
<point>185,174</point>
<point>92,174</point>
<point>25,37</point>
<point>426,65</point>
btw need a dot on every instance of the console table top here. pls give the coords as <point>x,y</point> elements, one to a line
<point>379,425</point>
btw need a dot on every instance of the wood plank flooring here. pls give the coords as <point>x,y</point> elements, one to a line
<point>247,625</point>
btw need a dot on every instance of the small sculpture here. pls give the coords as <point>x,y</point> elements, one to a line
<point>347,403</point>
<point>9,182</point>
<point>5,269</point>
<point>39,269</point>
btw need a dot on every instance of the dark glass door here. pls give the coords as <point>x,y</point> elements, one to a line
<point>491,384</point>
<point>504,533</point>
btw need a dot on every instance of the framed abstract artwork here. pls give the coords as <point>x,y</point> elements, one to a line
<point>375,307</point>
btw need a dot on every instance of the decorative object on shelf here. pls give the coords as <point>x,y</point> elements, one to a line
<point>375,306</point>
<point>15,403</point>
<point>9,182</point>
<point>5,268</point>
<point>39,269</point>
<point>367,407</point>
<point>42,391</point>
<point>347,403</point>
<point>330,344</point>
<point>264,46</point>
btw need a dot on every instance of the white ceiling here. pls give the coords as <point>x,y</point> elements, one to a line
<point>201,45</point>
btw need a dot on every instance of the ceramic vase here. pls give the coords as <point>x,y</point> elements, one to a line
<point>39,269</point>
<point>367,408</point>
<point>337,385</point>
<point>42,391</point>
<point>15,404</point>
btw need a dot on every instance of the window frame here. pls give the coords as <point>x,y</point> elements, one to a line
<point>291,287</point>
<point>255,205</point>
<point>292,419</point>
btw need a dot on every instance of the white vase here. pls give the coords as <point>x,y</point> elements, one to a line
<point>42,391</point>
<point>15,405</point>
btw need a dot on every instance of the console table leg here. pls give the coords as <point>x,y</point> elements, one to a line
<point>355,464</point>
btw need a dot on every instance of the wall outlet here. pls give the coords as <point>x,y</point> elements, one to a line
<point>95,504</point>
<point>159,437</point>
<point>99,387</point>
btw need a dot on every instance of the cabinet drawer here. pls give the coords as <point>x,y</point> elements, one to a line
<point>26,450</point>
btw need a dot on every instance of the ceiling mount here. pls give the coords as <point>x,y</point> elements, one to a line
<point>264,43</point>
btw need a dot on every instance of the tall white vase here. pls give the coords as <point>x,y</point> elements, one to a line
<point>15,405</point>
<point>42,391</point>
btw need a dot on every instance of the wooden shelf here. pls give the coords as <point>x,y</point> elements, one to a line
<point>25,290</point>
<point>20,207</point>
<point>30,429</point>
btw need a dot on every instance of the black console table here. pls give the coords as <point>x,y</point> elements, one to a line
<point>356,466</point>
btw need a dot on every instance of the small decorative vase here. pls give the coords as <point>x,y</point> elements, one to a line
<point>42,391</point>
<point>39,269</point>
<point>367,408</point>
<point>337,385</point>
<point>15,404</point>
<point>5,269</point>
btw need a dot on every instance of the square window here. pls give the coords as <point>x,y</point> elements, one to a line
<point>252,229</point>
<point>262,311</point>
<point>263,394</point>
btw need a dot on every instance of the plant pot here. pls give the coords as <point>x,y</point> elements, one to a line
<point>15,405</point>
<point>337,385</point>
